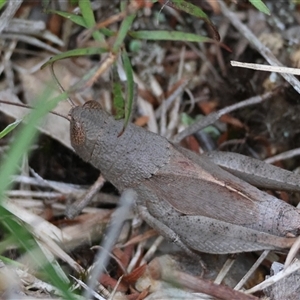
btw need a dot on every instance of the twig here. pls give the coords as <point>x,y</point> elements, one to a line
<point>270,281</point>
<point>149,254</point>
<point>262,49</point>
<point>9,12</point>
<point>127,199</point>
<point>117,260</point>
<point>252,269</point>
<point>282,156</point>
<point>75,208</point>
<point>213,117</point>
<point>136,257</point>
<point>292,253</point>
<point>33,194</point>
<point>93,293</point>
<point>204,286</point>
<point>29,40</point>
<point>169,101</point>
<point>267,68</point>
<point>225,269</point>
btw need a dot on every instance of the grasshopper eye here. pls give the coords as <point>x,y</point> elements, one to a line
<point>92,105</point>
<point>77,133</point>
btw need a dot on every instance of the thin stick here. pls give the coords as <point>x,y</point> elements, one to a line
<point>128,197</point>
<point>292,253</point>
<point>149,254</point>
<point>204,286</point>
<point>213,117</point>
<point>8,13</point>
<point>31,107</point>
<point>270,281</point>
<point>283,155</point>
<point>267,68</point>
<point>225,269</point>
<point>252,269</point>
<point>82,284</point>
<point>75,208</point>
<point>262,49</point>
<point>60,86</point>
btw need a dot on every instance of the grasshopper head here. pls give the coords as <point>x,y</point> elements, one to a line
<point>86,124</point>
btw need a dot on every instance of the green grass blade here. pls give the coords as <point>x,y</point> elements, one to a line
<point>89,18</point>
<point>194,11</point>
<point>75,52</point>
<point>28,243</point>
<point>189,8</point>
<point>74,18</point>
<point>118,99</point>
<point>87,13</point>
<point>106,31</point>
<point>124,28</point>
<point>79,20</point>
<point>24,139</point>
<point>9,128</point>
<point>169,36</point>
<point>2,3</point>
<point>129,102</point>
<point>260,6</point>
<point>7,260</point>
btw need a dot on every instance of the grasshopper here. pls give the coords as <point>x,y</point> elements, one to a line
<point>187,198</point>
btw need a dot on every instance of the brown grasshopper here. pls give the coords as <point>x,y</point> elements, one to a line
<point>185,197</point>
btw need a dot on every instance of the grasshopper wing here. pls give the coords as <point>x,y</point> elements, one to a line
<point>197,187</point>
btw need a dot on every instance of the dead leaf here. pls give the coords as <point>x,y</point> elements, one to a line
<point>134,275</point>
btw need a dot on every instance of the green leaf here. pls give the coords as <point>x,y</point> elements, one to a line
<point>89,18</point>
<point>8,166</point>
<point>75,52</point>
<point>2,3</point>
<point>118,100</point>
<point>194,11</point>
<point>9,128</point>
<point>130,88</point>
<point>186,119</point>
<point>169,36</point>
<point>260,6</point>
<point>87,13</point>
<point>24,138</point>
<point>188,8</point>
<point>124,28</point>
<point>26,241</point>
<point>107,32</point>
<point>74,18</point>
<point>79,20</point>
<point>135,45</point>
<point>211,130</point>
<point>5,259</point>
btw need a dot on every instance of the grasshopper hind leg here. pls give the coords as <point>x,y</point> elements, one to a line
<point>166,232</point>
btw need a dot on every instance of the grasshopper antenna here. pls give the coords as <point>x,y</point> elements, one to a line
<point>52,112</point>
<point>31,107</point>
<point>60,86</point>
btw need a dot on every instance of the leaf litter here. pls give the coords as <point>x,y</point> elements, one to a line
<point>173,77</point>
